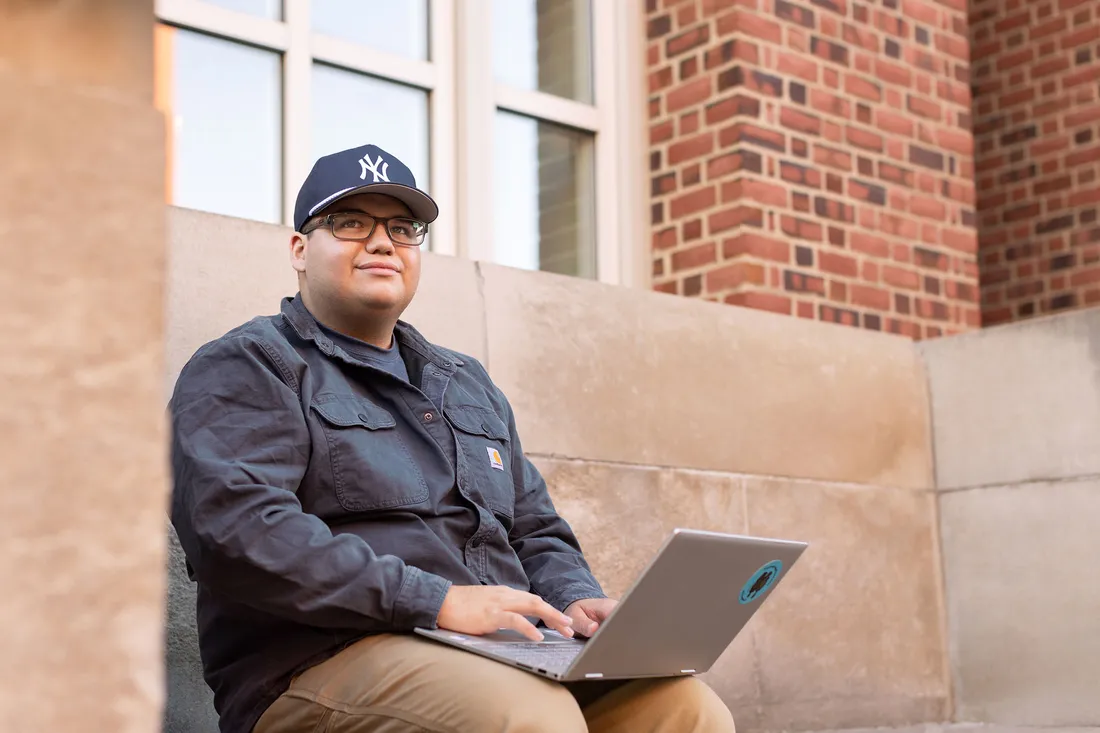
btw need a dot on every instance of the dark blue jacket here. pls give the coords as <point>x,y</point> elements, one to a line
<point>320,500</point>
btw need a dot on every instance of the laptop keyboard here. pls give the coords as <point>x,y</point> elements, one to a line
<point>552,655</point>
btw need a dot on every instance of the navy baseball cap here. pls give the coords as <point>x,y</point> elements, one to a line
<point>366,169</point>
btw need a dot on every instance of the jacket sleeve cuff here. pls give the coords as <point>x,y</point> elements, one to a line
<point>419,599</point>
<point>561,599</point>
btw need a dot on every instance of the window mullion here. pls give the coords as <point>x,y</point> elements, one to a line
<point>442,127</point>
<point>474,93</point>
<point>297,73</point>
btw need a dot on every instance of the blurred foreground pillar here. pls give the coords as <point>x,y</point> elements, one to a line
<point>83,481</point>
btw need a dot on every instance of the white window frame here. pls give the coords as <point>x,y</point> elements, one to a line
<point>616,121</point>
<point>463,99</point>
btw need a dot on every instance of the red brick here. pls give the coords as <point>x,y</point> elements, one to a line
<point>691,148</point>
<point>862,88</point>
<point>921,11</point>
<point>1054,66</point>
<point>689,203</point>
<point>830,104</point>
<point>1090,74</point>
<point>1084,117</point>
<point>960,240</point>
<point>734,275</point>
<point>738,104</point>
<point>1057,25</point>
<point>893,123</point>
<point>689,259</point>
<point>864,139</point>
<point>689,93</point>
<point>756,245</point>
<point>959,142</point>
<point>801,229</point>
<point>892,73</point>
<point>1082,37</point>
<point>869,244</point>
<point>762,301</point>
<point>804,67</point>
<point>665,239</point>
<point>1020,20</point>
<point>838,264</point>
<point>899,278</point>
<point>928,208</point>
<point>1018,58</point>
<point>751,24</point>
<point>733,216</point>
<point>763,192</point>
<point>723,164</point>
<point>799,121</point>
<point>925,108</point>
<point>868,297</point>
<point>661,133</point>
<point>687,40</point>
<point>832,157</point>
<point>953,45</point>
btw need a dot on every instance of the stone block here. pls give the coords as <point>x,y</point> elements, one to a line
<point>83,459</point>
<point>1018,402</point>
<point>1023,598</point>
<point>854,636</point>
<point>613,374</point>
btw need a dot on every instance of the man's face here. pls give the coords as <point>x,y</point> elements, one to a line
<point>349,275</point>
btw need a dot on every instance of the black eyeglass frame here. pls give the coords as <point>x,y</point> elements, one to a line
<point>329,220</point>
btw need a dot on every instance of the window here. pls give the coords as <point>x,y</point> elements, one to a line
<point>527,132</point>
<point>222,104</point>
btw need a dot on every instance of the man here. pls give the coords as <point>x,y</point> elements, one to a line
<point>339,481</point>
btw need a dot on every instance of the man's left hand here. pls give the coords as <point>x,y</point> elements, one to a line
<point>589,613</point>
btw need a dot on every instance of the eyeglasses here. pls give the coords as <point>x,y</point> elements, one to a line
<point>352,226</point>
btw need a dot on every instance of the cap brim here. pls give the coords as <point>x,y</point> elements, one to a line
<point>420,204</point>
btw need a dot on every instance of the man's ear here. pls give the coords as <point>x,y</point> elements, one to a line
<point>298,244</point>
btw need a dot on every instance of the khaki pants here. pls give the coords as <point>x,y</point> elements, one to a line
<point>402,684</point>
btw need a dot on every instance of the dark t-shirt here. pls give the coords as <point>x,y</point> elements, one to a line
<point>388,360</point>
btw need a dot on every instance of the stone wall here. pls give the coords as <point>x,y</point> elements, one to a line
<point>1016,412</point>
<point>742,421</point>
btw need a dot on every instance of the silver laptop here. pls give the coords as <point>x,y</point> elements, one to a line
<point>697,593</point>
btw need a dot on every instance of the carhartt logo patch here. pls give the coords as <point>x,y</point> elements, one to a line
<point>494,459</point>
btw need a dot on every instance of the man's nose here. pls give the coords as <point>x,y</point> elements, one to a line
<point>379,241</point>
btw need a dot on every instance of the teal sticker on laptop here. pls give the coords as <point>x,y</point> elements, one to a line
<point>761,581</point>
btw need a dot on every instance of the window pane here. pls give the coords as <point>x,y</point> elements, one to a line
<point>544,197</point>
<point>352,109</point>
<point>223,103</point>
<point>270,9</point>
<point>399,27</point>
<point>544,45</point>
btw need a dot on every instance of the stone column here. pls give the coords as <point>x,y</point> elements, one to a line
<point>83,480</point>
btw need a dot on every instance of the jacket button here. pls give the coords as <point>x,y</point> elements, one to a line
<point>428,417</point>
<point>362,416</point>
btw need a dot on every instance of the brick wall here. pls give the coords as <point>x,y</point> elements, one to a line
<point>1037,134</point>
<point>814,158</point>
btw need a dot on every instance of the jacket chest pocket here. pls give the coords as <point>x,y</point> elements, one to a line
<point>484,441</point>
<point>372,467</point>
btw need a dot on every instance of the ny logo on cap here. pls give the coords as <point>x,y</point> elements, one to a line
<point>372,166</point>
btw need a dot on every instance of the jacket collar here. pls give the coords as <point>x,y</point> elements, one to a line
<point>305,325</point>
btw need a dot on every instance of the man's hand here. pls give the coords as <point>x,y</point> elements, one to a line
<point>589,613</point>
<point>483,609</point>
